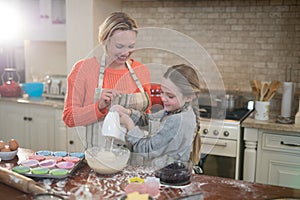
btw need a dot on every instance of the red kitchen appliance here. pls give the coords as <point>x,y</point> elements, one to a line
<point>155,94</point>
<point>9,87</point>
<point>157,103</point>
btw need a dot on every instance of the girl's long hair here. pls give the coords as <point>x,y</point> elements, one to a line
<point>187,80</point>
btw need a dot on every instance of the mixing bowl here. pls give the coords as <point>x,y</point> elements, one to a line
<point>106,161</point>
<point>33,89</point>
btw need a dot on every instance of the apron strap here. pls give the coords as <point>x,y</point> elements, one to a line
<point>100,79</point>
<point>133,75</point>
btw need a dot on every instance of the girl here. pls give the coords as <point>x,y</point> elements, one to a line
<point>171,130</point>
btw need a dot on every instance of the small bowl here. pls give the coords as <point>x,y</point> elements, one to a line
<point>56,158</point>
<point>30,163</point>
<point>49,163</point>
<point>71,159</point>
<point>59,172</point>
<point>65,165</point>
<point>77,154</point>
<point>44,153</point>
<point>60,153</point>
<point>21,169</point>
<point>104,161</point>
<point>8,155</point>
<point>33,89</point>
<point>36,157</point>
<point>40,170</point>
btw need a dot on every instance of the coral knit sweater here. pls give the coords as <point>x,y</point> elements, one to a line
<point>80,108</point>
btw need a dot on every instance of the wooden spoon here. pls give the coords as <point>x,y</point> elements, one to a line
<point>264,90</point>
<point>272,90</point>
<point>255,90</point>
<point>258,86</point>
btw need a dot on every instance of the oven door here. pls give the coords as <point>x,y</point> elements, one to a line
<point>218,157</point>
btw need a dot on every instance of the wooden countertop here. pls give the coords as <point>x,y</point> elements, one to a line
<point>113,185</point>
<point>271,124</point>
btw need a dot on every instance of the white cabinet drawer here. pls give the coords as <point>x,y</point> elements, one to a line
<point>282,143</point>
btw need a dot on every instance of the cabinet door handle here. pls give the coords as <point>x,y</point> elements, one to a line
<point>222,144</point>
<point>25,118</point>
<point>290,144</point>
<point>71,142</point>
<point>29,118</point>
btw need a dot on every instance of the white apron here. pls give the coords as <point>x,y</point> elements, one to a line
<point>138,101</point>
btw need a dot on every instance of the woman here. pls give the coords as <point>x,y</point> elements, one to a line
<point>94,84</point>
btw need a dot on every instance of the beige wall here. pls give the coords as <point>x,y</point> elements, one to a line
<point>42,58</point>
<point>247,39</point>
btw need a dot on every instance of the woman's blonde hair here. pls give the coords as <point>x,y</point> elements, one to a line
<point>187,80</point>
<point>115,21</point>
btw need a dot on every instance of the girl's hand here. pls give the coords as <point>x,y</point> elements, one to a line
<point>126,121</point>
<point>107,96</point>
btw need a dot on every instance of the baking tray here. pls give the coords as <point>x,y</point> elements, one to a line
<point>48,175</point>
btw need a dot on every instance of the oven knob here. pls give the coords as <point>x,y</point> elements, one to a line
<point>205,131</point>
<point>216,132</point>
<point>226,133</point>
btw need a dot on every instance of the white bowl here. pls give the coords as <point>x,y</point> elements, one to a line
<point>104,161</point>
<point>8,155</point>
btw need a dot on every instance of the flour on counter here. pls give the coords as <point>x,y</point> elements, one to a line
<point>235,184</point>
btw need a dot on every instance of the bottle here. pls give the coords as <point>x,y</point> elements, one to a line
<point>297,117</point>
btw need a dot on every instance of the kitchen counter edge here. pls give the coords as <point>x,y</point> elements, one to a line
<point>42,101</point>
<point>270,124</point>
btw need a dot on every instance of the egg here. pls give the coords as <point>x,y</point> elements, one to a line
<point>13,145</point>
<point>6,149</point>
<point>2,144</point>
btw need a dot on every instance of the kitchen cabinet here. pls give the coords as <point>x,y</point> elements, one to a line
<point>76,140</point>
<point>33,126</point>
<point>45,19</point>
<point>60,136</point>
<point>278,161</point>
<point>272,157</point>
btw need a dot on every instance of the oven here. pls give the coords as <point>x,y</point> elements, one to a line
<point>222,146</point>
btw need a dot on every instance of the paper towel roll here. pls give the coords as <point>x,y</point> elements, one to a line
<point>287,99</point>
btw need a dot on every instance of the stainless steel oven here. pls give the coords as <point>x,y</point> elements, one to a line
<point>222,147</point>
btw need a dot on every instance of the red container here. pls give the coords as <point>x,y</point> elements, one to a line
<point>155,94</point>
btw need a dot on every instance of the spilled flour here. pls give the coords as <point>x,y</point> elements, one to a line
<point>113,186</point>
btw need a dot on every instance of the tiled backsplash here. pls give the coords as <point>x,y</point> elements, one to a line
<point>247,39</point>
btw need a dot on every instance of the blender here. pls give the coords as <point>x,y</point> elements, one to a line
<point>112,129</point>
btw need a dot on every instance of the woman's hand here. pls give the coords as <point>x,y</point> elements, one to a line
<point>121,110</point>
<point>107,96</point>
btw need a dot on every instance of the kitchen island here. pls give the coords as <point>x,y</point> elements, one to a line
<point>113,185</point>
